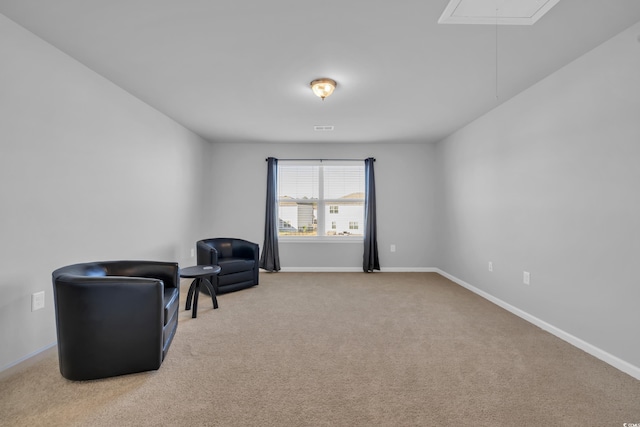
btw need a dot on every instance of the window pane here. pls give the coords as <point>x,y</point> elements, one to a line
<point>297,218</point>
<point>344,182</point>
<point>347,222</point>
<point>298,182</point>
<point>321,199</point>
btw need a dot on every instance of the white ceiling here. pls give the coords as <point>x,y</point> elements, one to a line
<point>240,70</point>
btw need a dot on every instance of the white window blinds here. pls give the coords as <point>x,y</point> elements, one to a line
<point>320,199</point>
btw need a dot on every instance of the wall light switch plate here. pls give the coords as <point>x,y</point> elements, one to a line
<point>490,266</point>
<point>526,277</point>
<point>37,301</point>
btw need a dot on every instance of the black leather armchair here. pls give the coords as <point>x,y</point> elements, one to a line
<point>238,261</point>
<point>114,317</point>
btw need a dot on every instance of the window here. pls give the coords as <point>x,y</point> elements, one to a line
<point>320,199</point>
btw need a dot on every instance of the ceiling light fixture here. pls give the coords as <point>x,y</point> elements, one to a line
<point>323,87</point>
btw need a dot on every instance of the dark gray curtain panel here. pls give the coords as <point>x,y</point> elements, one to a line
<point>270,258</point>
<point>370,258</point>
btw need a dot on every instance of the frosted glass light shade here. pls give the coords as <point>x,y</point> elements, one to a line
<point>323,87</point>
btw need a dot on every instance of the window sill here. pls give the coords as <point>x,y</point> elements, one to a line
<point>327,239</point>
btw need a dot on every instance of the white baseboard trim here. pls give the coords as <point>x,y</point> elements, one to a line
<point>28,356</point>
<point>596,352</point>
<point>358,270</point>
<point>320,270</point>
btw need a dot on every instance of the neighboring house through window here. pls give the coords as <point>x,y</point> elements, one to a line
<point>318,199</point>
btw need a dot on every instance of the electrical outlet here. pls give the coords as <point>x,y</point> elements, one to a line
<point>490,267</point>
<point>393,248</point>
<point>37,301</point>
<point>193,252</point>
<point>526,277</point>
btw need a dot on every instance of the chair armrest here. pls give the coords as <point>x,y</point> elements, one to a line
<point>168,272</point>
<point>206,253</point>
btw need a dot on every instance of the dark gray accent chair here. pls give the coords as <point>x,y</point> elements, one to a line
<point>114,317</point>
<point>238,261</point>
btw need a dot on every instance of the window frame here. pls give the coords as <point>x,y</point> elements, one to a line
<point>321,205</point>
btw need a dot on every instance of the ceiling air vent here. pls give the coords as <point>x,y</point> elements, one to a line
<point>325,128</point>
<point>492,12</point>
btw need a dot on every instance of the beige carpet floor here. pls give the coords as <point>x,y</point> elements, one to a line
<point>340,349</point>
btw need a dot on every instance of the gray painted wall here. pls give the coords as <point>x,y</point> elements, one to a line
<point>87,172</point>
<point>405,188</point>
<point>548,183</point>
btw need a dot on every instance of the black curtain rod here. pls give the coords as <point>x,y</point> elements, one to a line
<point>321,160</point>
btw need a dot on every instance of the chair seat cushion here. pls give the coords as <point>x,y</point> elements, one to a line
<point>234,265</point>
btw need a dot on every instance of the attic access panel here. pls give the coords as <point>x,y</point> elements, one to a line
<point>492,12</point>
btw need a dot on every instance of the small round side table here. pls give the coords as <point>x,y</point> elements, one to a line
<point>199,273</point>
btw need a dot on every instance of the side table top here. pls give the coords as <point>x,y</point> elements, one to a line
<point>199,271</point>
